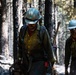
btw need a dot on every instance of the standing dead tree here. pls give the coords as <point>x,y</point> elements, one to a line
<point>48,16</point>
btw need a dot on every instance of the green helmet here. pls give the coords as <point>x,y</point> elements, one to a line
<point>72,24</point>
<point>32,16</point>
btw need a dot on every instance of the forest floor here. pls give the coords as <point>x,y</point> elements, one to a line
<point>60,69</point>
<point>6,63</point>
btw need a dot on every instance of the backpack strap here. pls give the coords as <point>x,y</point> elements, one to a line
<point>41,37</point>
<point>21,42</point>
<point>22,32</point>
<point>41,33</point>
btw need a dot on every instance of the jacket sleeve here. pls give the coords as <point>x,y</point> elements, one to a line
<point>67,53</point>
<point>48,46</point>
<point>20,43</point>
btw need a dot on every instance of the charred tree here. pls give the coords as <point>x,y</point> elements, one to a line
<point>15,29</point>
<point>48,16</point>
<point>17,23</point>
<point>40,22</point>
<point>74,3</point>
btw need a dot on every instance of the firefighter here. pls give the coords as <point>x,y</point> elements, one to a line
<point>70,49</point>
<point>34,45</point>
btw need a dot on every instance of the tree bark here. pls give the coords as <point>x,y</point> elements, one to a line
<point>40,22</point>
<point>17,23</point>
<point>15,29</point>
<point>4,29</point>
<point>48,16</point>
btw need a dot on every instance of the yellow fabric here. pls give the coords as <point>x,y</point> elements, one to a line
<point>73,48</point>
<point>73,45</point>
<point>32,42</point>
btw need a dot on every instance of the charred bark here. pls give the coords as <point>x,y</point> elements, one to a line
<point>48,16</point>
<point>15,29</point>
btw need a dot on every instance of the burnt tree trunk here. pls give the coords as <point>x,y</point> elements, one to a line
<point>15,28</point>
<point>17,23</point>
<point>40,22</point>
<point>48,16</point>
